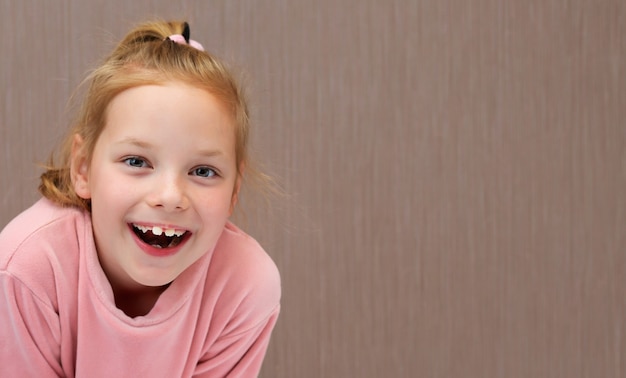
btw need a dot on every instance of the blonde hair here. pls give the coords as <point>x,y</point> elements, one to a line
<point>146,56</point>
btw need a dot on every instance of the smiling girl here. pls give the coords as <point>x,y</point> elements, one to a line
<point>129,265</point>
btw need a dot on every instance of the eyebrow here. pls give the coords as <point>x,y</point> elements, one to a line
<point>134,142</point>
<point>143,144</point>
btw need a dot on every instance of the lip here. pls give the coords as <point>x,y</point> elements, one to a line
<point>153,251</point>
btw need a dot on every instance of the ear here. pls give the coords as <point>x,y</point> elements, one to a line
<point>79,169</point>
<point>235,197</point>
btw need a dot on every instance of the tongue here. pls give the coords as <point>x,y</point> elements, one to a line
<point>156,240</point>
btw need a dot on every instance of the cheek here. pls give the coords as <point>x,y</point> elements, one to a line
<point>215,204</point>
<point>110,189</point>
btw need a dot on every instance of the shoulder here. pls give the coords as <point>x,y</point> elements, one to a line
<point>245,274</point>
<point>237,253</point>
<point>42,241</point>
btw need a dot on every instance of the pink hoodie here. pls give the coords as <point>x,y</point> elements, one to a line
<point>58,316</point>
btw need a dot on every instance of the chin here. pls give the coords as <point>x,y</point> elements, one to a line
<point>154,279</point>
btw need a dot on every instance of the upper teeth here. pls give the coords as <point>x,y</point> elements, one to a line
<point>156,230</point>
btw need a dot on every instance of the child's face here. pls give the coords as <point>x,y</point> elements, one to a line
<point>161,181</point>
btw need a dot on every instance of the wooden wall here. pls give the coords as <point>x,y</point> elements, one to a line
<point>456,170</point>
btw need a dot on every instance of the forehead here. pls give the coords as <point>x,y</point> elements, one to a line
<point>170,113</point>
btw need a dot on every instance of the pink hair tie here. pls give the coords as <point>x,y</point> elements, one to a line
<point>183,39</point>
<point>178,38</point>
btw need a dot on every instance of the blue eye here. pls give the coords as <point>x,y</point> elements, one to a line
<point>135,162</point>
<point>203,172</point>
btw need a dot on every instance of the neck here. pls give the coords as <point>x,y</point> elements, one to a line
<point>137,301</point>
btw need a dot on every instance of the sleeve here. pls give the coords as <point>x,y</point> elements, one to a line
<point>29,332</point>
<point>239,355</point>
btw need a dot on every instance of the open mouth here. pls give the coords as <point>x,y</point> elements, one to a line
<point>160,237</point>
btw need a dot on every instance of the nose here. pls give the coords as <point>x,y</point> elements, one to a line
<point>168,192</point>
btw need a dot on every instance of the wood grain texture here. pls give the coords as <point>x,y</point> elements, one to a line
<point>457,171</point>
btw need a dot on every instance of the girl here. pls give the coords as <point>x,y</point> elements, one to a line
<point>129,267</point>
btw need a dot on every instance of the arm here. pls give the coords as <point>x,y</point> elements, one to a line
<point>242,296</point>
<point>29,332</point>
<point>238,355</point>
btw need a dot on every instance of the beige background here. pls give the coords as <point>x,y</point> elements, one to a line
<point>457,170</point>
